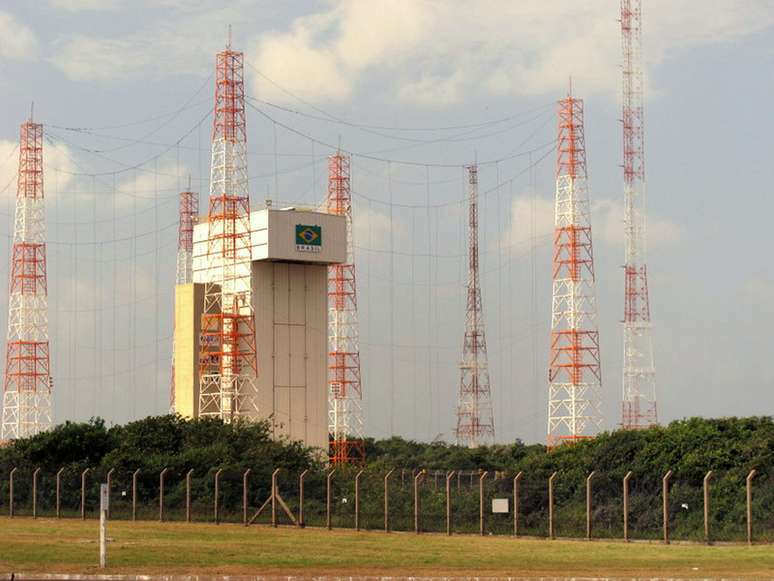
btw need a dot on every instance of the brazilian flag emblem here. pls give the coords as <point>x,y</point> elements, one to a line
<point>308,238</point>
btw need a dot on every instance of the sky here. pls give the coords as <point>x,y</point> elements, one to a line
<point>414,89</point>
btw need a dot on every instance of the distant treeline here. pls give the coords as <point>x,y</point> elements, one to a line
<point>730,447</point>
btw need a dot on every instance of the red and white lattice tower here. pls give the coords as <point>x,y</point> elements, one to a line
<point>189,210</point>
<point>27,399</point>
<point>574,375</point>
<point>345,393</point>
<point>228,367</point>
<point>475,422</point>
<point>639,369</point>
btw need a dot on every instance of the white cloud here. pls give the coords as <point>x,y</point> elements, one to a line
<point>535,221</point>
<point>531,221</point>
<point>83,5</point>
<point>607,222</point>
<point>140,191</point>
<point>432,53</point>
<point>17,41</point>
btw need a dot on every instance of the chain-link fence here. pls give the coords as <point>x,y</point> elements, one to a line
<point>709,507</point>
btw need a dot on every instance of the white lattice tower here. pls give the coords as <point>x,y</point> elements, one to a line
<point>475,422</point>
<point>27,398</point>
<point>345,393</point>
<point>189,210</point>
<point>574,375</point>
<point>639,370</point>
<point>228,367</point>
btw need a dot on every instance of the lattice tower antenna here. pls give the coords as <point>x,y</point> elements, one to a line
<point>638,409</point>
<point>475,422</point>
<point>228,367</point>
<point>27,399</point>
<point>574,374</point>
<point>345,392</point>
<point>189,211</point>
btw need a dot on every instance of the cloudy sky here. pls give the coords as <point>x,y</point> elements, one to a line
<point>415,90</point>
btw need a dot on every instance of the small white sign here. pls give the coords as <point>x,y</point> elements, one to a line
<point>500,506</point>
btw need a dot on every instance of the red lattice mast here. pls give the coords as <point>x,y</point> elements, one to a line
<point>27,399</point>
<point>345,414</point>
<point>228,365</point>
<point>189,211</point>
<point>475,421</point>
<point>638,407</point>
<point>574,374</point>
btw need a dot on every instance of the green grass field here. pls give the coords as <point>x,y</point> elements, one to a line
<point>50,546</point>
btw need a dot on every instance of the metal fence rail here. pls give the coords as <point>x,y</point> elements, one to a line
<point>592,506</point>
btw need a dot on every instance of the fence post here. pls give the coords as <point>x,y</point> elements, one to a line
<point>328,479</point>
<point>58,493</point>
<point>626,505</point>
<point>188,495</point>
<point>274,497</point>
<point>387,501</point>
<point>706,507</point>
<point>161,494</point>
<point>516,499</point>
<point>748,485</point>
<point>35,493</point>
<point>216,507</point>
<point>417,482</point>
<point>588,503</point>
<point>551,531</point>
<point>301,477</point>
<point>665,498</point>
<point>449,476</point>
<point>10,491</point>
<point>83,492</point>
<point>109,482</point>
<point>135,474</point>
<point>357,500</point>
<point>245,480</point>
<point>481,479</point>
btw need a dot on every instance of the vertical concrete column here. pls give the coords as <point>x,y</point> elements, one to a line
<point>516,502</point>
<point>84,474</point>
<point>707,477</point>
<point>748,486</point>
<point>589,491</point>
<point>551,528</point>
<point>59,493</point>
<point>162,475</point>
<point>418,477</point>
<point>274,497</point>
<point>245,483</point>
<point>481,514</point>
<point>626,505</point>
<point>188,495</point>
<point>328,491</point>
<point>217,495</point>
<point>109,482</point>
<point>387,500</point>
<point>135,474</point>
<point>665,498</point>
<point>35,493</point>
<point>449,476</point>
<point>357,500</point>
<point>301,478</point>
<point>10,491</point>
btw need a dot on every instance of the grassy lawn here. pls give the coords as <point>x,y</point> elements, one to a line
<point>50,546</point>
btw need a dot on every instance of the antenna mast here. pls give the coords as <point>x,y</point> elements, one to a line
<point>345,413</point>
<point>574,374</point>
<point>228,366</point>
<point>27,400</point>
<point>475,422</point>
<point>638,409</point>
